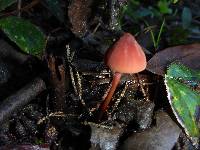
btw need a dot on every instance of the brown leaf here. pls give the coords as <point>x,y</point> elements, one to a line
<point>78,13</point>
<point>188,55</point>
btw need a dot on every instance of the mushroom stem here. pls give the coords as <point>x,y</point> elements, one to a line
<point>115,82</point>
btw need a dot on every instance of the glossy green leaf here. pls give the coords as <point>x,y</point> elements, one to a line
<point>55,8</point>
<point>26,35</point>
<point>5,3</point>
<point>184,100</point>
<point>183,73</point>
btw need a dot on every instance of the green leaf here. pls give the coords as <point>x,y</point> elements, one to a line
<point>184,100</point>
<point>26,35</point>
<point>55,8</point>
<point>163,6</point>
<point>174,1</point>
<point>6,3</point>
<point>182,72</point>
<point>186,17</point>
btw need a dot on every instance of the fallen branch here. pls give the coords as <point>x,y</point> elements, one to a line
<point>21,98</point>
<point>7,52</point>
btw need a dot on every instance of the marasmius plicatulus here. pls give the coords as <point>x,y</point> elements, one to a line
<point>125,56</point>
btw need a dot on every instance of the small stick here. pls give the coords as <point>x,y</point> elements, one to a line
<point>21,98</point>
<point>19,6</point>
<point>25,8</point>
<point>120,97</point>
<point>141,85</point>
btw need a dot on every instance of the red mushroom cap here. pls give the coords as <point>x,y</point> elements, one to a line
<point>126,56</point>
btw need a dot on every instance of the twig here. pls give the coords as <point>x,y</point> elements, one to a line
<point>77,86</point>
<point>141,85</point>
<point>25,8</point>
<point>21,98</point>
<point>19,6</point>
<point>114,14</point>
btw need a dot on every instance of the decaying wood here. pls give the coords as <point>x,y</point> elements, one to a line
<point>21,98</point>
<point>78,12</point>
<point>58,83</point>
<point>8,52</point>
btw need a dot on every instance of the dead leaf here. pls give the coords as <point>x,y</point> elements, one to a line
<point>78,13</point>
<point>188,55</point>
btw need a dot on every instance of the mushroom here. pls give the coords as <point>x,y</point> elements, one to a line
<point>125,56</point>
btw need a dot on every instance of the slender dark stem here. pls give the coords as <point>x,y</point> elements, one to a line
<point>19,5</point>
<point>106,102</point>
